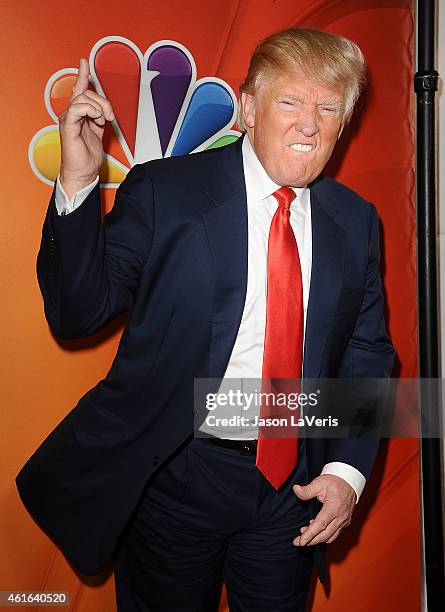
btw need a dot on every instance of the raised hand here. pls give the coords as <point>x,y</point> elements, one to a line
<point>81,128</point>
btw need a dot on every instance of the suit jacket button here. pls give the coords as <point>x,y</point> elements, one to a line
<point>52,246</point>
<point>155,460</point>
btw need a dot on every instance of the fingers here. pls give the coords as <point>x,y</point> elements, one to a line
<point>78,111</point>
<point>303,529</point>
<point>324,525</point>
<point>89,104</point>
<point>327,536</point>
<point>322,536</point>
<point>97,101</point>
<point>91,97</point>
<point>338,499</point>
<point>83,95</point>
<point>81,83</point>
<point>334,537</point>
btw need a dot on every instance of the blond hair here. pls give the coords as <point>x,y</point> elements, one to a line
<point>327,59</point>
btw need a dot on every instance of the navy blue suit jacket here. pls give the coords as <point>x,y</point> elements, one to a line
<point>173,252</point>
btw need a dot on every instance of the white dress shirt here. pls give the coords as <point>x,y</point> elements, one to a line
<point>247,354</point>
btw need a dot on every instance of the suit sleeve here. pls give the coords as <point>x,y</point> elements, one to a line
<point>89,270</point>
<point>369,354</point>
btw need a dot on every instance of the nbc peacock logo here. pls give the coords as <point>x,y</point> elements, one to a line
<point>160,109</point>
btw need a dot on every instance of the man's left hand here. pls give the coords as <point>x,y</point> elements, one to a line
<point>338,499</point>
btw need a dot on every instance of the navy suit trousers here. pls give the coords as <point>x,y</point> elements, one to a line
<point>210,516</point>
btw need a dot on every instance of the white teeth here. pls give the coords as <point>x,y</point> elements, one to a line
<point>302,147</point>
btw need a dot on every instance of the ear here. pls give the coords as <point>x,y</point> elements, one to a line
<point>248,102</point>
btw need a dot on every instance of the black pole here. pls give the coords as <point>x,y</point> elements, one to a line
<point>425,84</point>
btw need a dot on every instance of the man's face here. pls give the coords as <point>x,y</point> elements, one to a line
<point>293,125</point>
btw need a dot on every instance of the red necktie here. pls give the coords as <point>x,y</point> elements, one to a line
<point>283,342</point>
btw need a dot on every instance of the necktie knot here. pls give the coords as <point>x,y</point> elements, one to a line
<point>284,197</point>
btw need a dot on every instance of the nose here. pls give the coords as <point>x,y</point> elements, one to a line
<point>307,122</point>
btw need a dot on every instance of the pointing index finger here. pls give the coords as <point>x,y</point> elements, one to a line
<point>82,81</point>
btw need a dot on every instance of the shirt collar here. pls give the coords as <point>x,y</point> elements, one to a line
<point>258,183</point>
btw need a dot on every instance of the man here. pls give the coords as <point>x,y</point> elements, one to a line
<point>225,260</point>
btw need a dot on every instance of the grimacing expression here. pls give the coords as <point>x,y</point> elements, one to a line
<point>293,124</point>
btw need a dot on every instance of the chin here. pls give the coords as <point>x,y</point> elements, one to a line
<point>296,179</point>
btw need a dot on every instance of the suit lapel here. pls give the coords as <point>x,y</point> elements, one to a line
<point>226,228</point>
<point>328,255</point>
<point>227,233</point>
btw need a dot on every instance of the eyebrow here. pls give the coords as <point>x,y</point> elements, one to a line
<point>326,102</point>
<point>331,102</point>
<point>290,96</point>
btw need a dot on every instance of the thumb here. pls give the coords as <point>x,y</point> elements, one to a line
<point>308,491</point>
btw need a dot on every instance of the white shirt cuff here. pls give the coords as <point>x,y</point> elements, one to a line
<point>64,205</point>
<point>352,476</point>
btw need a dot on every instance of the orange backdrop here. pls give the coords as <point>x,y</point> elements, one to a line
<point>376,562</point>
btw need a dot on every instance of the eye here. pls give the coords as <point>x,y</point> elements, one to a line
<point>288,105</point>
<point>327,109</point>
